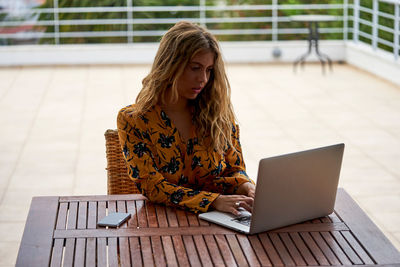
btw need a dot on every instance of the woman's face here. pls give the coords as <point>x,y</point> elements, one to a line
<point>195,75</point>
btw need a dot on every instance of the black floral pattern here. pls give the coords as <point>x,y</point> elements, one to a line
<point>166,141</point>
<point>196,161</point>
<point>204,202</point>
<point>237,162</point>
<point>125,150</point>
<point>134,172</point>
<point>144,119</point>
<point>223,185</point>
<point>172,167</point>
<point>192,193</point>
<point>140,149</point>
<point>146,136</point>
<point>183,180</point>
<point>217,170</point>
<point>190,147</point>
<point>165,118</point>
<point>137,133</point>
<point>177,196</point>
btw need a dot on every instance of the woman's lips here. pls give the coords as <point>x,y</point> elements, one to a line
<point>197,89</point>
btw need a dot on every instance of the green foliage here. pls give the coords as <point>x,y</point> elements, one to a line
<point>385,35</point>
<point>123,27</point>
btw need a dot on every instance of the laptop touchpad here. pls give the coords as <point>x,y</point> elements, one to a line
<point>244,217</point>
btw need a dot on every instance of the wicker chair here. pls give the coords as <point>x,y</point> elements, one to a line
<point>117,173</point>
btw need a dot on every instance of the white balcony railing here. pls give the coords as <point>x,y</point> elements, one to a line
<point>375,26</point>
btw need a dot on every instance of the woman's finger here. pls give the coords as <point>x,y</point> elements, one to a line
<point>246,206</point>
<point>234,211</point>
<point>248,200</point>
<point>231,203</point>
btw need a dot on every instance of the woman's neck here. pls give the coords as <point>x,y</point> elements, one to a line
<point>181,105</point>
<point>176,107</point>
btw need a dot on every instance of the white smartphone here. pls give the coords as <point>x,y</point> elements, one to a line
<point>114,219</point>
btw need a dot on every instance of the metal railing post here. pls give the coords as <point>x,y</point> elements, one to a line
<point>129,20</point>
<point>274,20</point>
<point>56,23</point>
<point>356,15</point>
<point>396,34</point>
<point>374,24</point>
<point>203,13</point>
<point>345,19</point>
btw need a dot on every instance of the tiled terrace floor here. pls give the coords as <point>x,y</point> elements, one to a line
<point>53,120</point>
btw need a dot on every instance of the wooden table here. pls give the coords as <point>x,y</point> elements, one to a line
<point>62,231</point>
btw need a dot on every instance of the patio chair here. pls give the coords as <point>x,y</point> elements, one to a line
<point>118,181</point>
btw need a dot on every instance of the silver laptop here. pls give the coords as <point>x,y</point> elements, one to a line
<point>291,188</point>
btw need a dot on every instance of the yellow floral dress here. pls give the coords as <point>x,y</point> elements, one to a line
<point>168,170</point>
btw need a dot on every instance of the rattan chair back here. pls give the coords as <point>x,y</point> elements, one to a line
<point>118,181</point>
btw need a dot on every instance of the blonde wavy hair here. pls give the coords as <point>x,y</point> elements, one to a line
<point>213,113</point>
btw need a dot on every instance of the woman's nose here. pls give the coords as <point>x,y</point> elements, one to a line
<point>203,77</point>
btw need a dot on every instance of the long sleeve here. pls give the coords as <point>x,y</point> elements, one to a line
<point>141,158</point>
<point>234,174</point>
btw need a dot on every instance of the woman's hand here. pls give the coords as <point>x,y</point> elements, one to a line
<point>247,189</point>
<point>231,203</point>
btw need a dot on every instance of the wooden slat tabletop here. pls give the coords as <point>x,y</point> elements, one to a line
<point>62,231</point>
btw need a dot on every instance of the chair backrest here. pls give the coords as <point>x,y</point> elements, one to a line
<point>118,181</point>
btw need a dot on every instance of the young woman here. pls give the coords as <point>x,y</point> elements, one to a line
<point>180,140</point>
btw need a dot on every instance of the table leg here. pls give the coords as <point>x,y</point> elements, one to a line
<point>313,38</point>
<point>302,58</point>
<point>322,57</point>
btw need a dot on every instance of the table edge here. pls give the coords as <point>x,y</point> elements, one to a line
<point>376,244</point>
<point>37,239</point>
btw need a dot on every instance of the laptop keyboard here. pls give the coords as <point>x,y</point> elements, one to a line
<point>245,220</point>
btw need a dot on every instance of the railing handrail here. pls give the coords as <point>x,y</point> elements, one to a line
<point>178,8</point>
<point>274,20</point>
